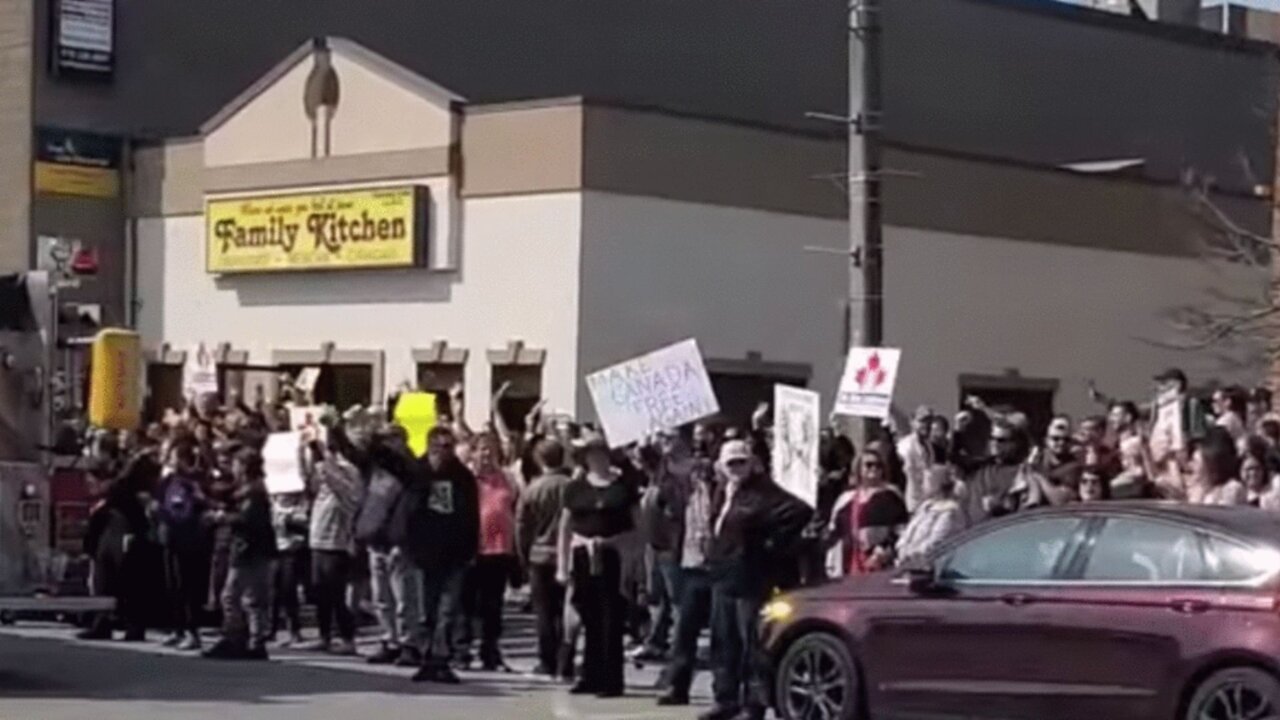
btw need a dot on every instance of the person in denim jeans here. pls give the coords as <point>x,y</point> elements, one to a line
<point>246,598</point>
<point>396,583</point>
<point>437,526</point>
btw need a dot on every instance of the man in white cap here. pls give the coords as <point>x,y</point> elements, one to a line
<point>755,530</point>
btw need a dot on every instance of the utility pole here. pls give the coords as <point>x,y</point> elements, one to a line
<point>866,221</point>
<point>866,237</point>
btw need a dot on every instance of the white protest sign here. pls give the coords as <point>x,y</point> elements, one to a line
<point>866,390</point>
<point>659,391</point>
<point>199,373</point>
<point>795,441</point>
<point>281,465</point>
<point>1166,431</point>
<point>307,380</point>
<point>307,417</point>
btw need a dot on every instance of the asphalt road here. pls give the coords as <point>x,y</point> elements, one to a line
<point>47,675</point>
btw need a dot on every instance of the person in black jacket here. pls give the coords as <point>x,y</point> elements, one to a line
<point>599,547</point>
<point>180,510</point>
<point>246,602</point>
<point>117,540</point>
<point>756,529</point>
<point>436,524</point>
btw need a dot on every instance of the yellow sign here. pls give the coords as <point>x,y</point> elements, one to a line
<point>376,228</point>
<point>416,413</point>
<point>63,179</point>
<point>115,392</point>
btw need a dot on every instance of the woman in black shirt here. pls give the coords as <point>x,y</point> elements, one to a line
<point>598,543</point>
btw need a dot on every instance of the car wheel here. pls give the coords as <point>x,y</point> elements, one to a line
<point>817,680</point>
<point>1241,693</point>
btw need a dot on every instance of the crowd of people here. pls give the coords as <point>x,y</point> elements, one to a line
<point>656,543</point>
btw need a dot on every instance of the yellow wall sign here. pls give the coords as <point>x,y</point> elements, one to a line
<point>375,228</point>
<point>60,179</point>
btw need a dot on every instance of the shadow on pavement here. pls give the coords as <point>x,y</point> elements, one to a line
<point>66,670</point>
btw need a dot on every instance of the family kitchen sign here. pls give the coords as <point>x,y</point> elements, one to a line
<point>374,228</point>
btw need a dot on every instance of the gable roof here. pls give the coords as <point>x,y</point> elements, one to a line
<point>353,51</point>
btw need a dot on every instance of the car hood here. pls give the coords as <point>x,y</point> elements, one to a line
<point>873,585</point>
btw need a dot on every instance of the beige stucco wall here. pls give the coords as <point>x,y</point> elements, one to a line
<point>502,292</point>
<point>375,114</point>
<point>520,149</point>
<point>273,127</point>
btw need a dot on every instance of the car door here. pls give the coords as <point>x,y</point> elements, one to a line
<point>1144,594</point>
<point>974,645</point>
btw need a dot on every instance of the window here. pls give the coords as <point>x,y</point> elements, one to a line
<point>1025,551</point>
<point>523,392</point>
<point>1128,549</point>
<point>1227,561</point>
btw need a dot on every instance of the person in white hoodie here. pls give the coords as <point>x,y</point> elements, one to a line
<point>938,517</point>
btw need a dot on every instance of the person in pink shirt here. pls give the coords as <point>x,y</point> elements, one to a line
<point>496,563</point>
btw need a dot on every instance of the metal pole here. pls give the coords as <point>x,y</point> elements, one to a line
<point>866,277</point>
<point>866,235</point>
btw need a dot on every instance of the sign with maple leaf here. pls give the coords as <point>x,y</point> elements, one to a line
<point>870,375</point>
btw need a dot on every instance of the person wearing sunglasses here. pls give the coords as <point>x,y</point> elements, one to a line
<point>1008,481</point>
<point>867,519</point>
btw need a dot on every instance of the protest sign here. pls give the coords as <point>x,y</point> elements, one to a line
<point>306,419</point>
<point>416,412</point>
<point>280,463</point>
<point>1166,431</point>
<point>659,391</point>
<point>199,373</point>
<point>866,390</point>
<point>795,442</point>
<point>307,379</point>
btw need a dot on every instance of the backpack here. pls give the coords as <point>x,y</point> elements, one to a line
<point>178,503</point>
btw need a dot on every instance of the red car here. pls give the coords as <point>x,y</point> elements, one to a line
<point>1109,611</point>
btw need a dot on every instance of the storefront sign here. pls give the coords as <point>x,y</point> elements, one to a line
<point>84,40</point>
<point>376,228</point>
<point>77,163</point>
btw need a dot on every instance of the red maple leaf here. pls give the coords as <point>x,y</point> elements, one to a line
<point>871,373</point>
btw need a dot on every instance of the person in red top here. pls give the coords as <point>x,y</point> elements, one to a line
<point>496,562</point>
<point>867,519</point>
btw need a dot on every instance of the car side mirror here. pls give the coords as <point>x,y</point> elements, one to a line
<point>922,579</point>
